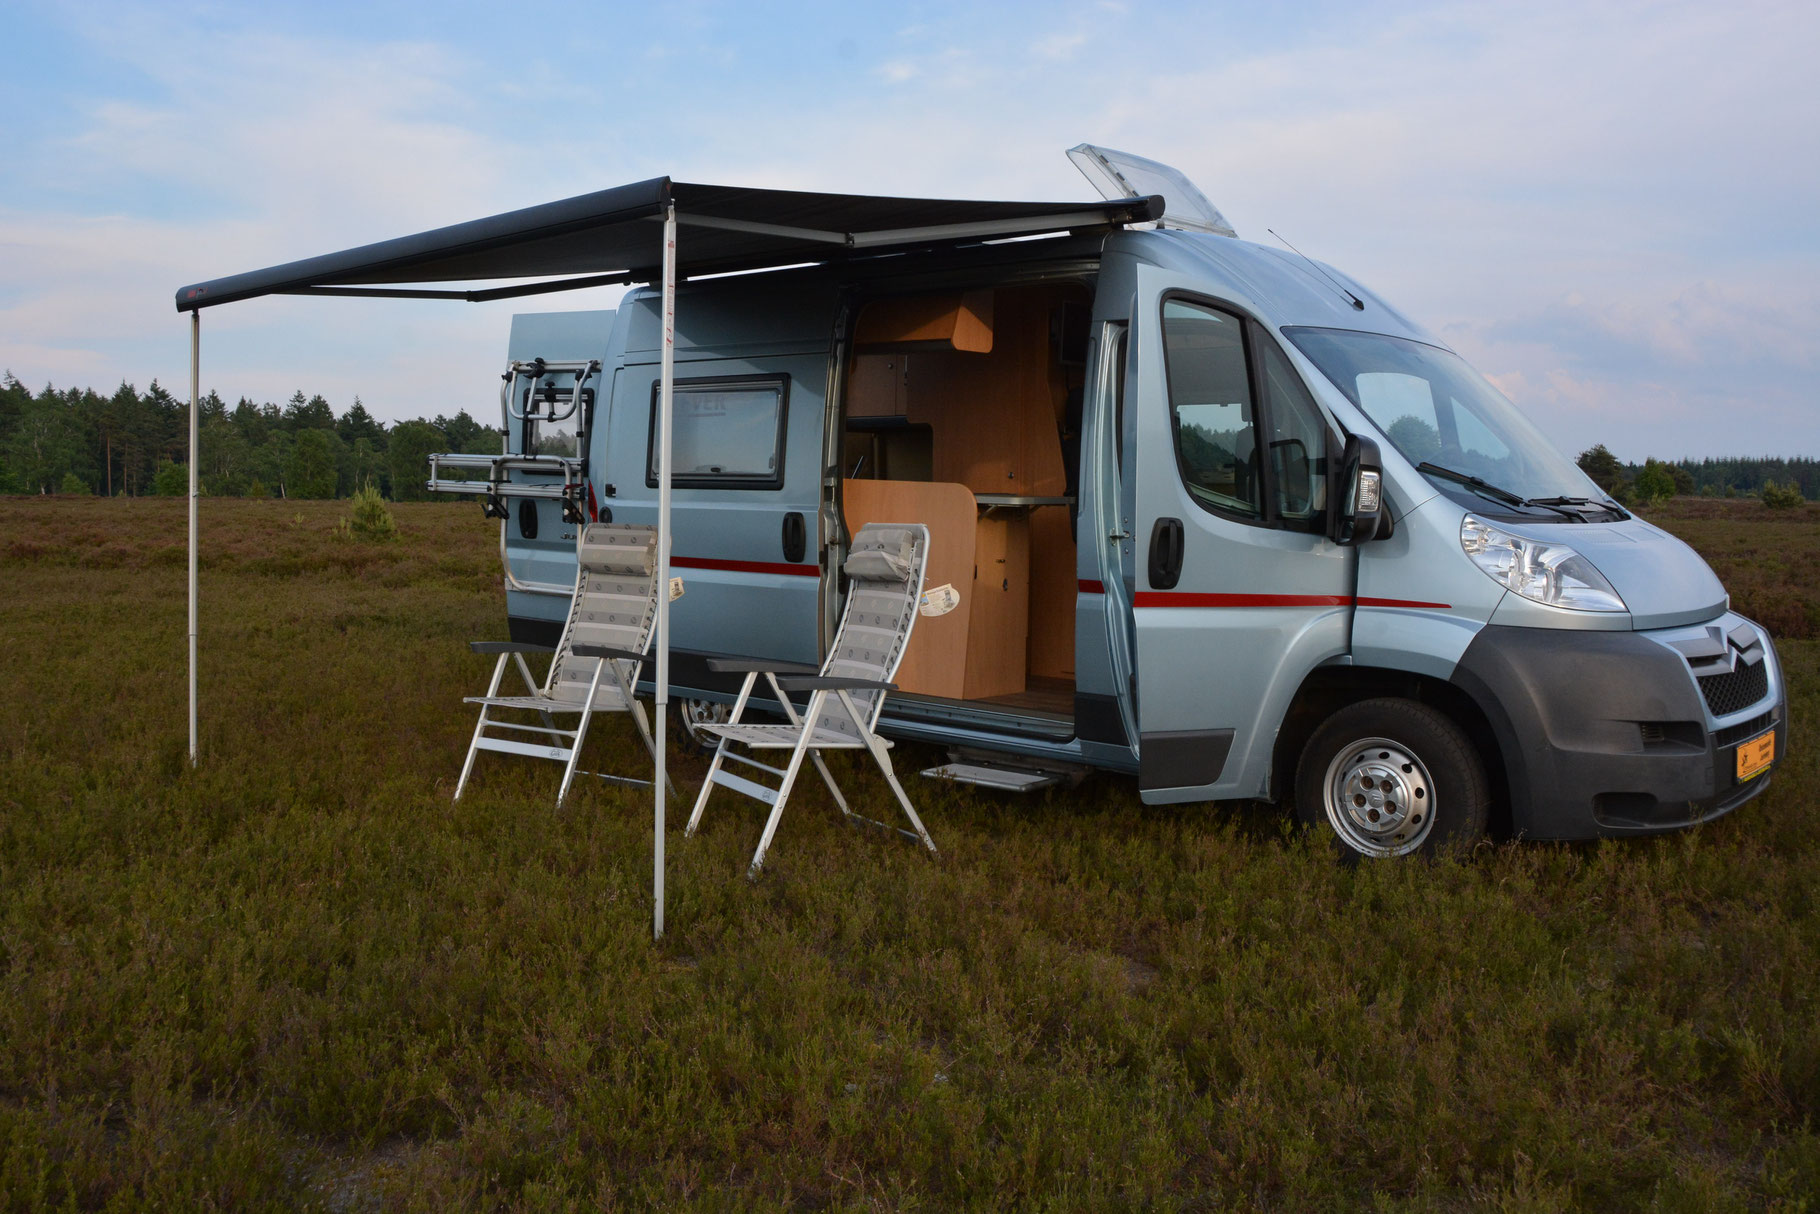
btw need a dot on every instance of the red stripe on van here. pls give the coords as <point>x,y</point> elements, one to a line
<point>1172,598</point>
<point>1088,586</point>
<point>702,562</point>
<point>1169,598</point>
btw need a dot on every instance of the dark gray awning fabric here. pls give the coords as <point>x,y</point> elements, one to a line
<point>611,232</point>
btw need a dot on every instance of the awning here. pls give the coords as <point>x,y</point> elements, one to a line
<point>611,236</point>
<point>630,234</point>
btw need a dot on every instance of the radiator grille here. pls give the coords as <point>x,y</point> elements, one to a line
<point>1735,689</point>
<point>1731,735</point>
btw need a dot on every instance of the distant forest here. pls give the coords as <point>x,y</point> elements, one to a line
<point>1727,476</point>
<point>134,443</point>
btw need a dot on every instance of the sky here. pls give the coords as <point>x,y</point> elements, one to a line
<point>1611,209</point>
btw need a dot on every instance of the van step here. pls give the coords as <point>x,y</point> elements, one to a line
<point>1007,779</point>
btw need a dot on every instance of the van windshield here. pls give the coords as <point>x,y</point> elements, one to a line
<point>1465,436</point>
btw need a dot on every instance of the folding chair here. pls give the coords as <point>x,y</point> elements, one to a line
<point>845,697</point>
<point>597,661</point>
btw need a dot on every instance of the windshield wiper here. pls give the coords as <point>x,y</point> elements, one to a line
<point>1492,491</point>
<point>1605,504</point>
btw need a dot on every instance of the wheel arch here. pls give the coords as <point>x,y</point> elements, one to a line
<point>1327,689</point>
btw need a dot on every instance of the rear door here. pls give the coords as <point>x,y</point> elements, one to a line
<point>1237,592</point>
<point>747,451</point>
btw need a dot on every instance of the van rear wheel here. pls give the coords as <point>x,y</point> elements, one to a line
<point>1392,777</point>
<point>691,715</point>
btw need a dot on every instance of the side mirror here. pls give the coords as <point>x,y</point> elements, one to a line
<point>1358,516</point>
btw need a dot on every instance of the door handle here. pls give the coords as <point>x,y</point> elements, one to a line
<point>796,538</point>
<point>1167,541</point>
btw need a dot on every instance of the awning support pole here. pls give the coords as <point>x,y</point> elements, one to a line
<point>666,383</point>
<point>195,406</point>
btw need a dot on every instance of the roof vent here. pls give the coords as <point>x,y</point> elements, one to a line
<point>1121,175</point>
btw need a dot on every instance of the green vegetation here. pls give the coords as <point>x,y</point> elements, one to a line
<point>132,444</point>
<point>1655,481</point>
<point>367,518</point>
<point>1781,497</point>
<point>300,977</point>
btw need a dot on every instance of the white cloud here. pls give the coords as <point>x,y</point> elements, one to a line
<point>1059,47</point>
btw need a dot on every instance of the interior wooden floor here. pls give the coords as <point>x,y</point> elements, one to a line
<point>1053,697</point>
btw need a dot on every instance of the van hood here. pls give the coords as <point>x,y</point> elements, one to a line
<point>1664,582</point>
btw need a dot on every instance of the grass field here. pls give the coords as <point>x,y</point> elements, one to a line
<point>299,977</point>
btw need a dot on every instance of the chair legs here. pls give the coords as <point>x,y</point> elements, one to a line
<point>720,757</point>
<point>874,744</point>
<point>877,747</point>
<point>581,733</point>
<point>571,756</point>
<point>777,806</point>
<point>480,726</point>
<point>721,754</point>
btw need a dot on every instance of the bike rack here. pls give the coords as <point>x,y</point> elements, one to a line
<point>560,478</point>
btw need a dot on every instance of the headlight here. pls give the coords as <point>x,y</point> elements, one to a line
<point>1547,573</point>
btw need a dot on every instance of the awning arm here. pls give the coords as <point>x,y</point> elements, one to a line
<point>981,229</point>
<point>813,235</point>
<point>486,296</point>
<point>891,236</point>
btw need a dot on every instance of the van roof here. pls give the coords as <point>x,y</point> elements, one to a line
<point>1281,286</point>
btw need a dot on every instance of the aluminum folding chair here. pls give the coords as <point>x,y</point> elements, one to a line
<point>845,696</point>
<point>597,662</point>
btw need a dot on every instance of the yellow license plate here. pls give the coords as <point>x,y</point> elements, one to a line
<point>1756,755</point>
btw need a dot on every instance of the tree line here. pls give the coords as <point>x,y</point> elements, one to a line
<point>134,443</point>
<point>1730,476</point>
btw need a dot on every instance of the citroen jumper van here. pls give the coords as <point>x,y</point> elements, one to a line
<point>1218,516</point>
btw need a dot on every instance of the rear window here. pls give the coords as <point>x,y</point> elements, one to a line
<point>725,433</point>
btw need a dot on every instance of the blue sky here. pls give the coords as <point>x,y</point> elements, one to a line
<point>1609,208</point>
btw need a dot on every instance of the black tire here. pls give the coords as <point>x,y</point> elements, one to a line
<point>685,715</point>
<point>1404,780</point>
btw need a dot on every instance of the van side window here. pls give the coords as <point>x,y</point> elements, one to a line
<point>1212,414</point>
<point>1298,441</point>
<point>726,433</point>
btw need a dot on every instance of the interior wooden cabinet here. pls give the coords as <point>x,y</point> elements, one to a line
<point>956,398</point>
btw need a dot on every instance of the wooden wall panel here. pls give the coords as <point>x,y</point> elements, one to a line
<point>875,386</point>
<point>935,664</point>
<point>963,322</point>
<point>994,420</point>
<point>1001,606</point>
<point>1053,589</point>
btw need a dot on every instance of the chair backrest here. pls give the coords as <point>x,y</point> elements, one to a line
<point>615,603</point>
<point>885,569</point>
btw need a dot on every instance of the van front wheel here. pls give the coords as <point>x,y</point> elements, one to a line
<point>1392,778</point>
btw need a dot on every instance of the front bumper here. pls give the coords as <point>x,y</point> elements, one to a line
<point>1609,733</point>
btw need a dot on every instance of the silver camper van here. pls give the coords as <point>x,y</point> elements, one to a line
<point>1218,516</point>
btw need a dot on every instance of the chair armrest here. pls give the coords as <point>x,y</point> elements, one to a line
<point>509,647</point>
<point>761,665</point>
<point>606,651</point>
<point>793,683</point>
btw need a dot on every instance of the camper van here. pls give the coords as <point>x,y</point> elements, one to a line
<point>1215,515</point>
